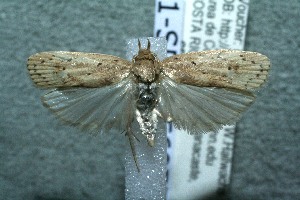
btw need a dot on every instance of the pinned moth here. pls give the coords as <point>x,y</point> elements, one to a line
<point>198,91</point>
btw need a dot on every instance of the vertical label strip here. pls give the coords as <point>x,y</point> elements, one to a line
<point>169,23</point>
<point>200,165</point>
<point>150,182</point>
<point>212,24</point>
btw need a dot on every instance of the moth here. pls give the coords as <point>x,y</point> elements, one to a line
<point>198,91</point>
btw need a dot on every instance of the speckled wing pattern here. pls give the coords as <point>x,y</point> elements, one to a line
<point>92,91</point>
<point>202,91</point>
<point>223,68</point>
<point>76,69</point>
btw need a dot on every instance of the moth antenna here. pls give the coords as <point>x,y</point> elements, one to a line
<point>148,46</point>
<point>139,44</point>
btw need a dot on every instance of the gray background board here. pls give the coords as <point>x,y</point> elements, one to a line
<point>43,159</point>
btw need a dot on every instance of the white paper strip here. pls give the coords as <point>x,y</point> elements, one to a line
<point>200,165</point>
<point>150,182</point>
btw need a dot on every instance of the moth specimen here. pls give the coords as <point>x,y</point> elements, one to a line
<point>198,91</point>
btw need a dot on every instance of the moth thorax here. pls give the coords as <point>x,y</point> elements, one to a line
<point>145,66</point>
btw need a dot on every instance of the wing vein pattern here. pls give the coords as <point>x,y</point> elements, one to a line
<point>94,109</point>
<point>201,109</point>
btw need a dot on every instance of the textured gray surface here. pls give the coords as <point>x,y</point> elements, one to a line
<point>43,159</point>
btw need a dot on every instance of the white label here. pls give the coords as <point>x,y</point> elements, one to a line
<point>150,182</point>
<point>200,165</point>
<point>212,24</point>
<point>169,23</point>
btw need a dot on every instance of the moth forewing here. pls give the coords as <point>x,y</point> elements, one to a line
<point>76,69</point>
<point>218,68</point>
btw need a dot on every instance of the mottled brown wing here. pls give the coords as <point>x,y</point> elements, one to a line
<point>70,69</point>
<point>235,69</point>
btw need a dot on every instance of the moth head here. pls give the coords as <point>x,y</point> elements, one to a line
<point>145,65</point>
<point>145,54</point>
